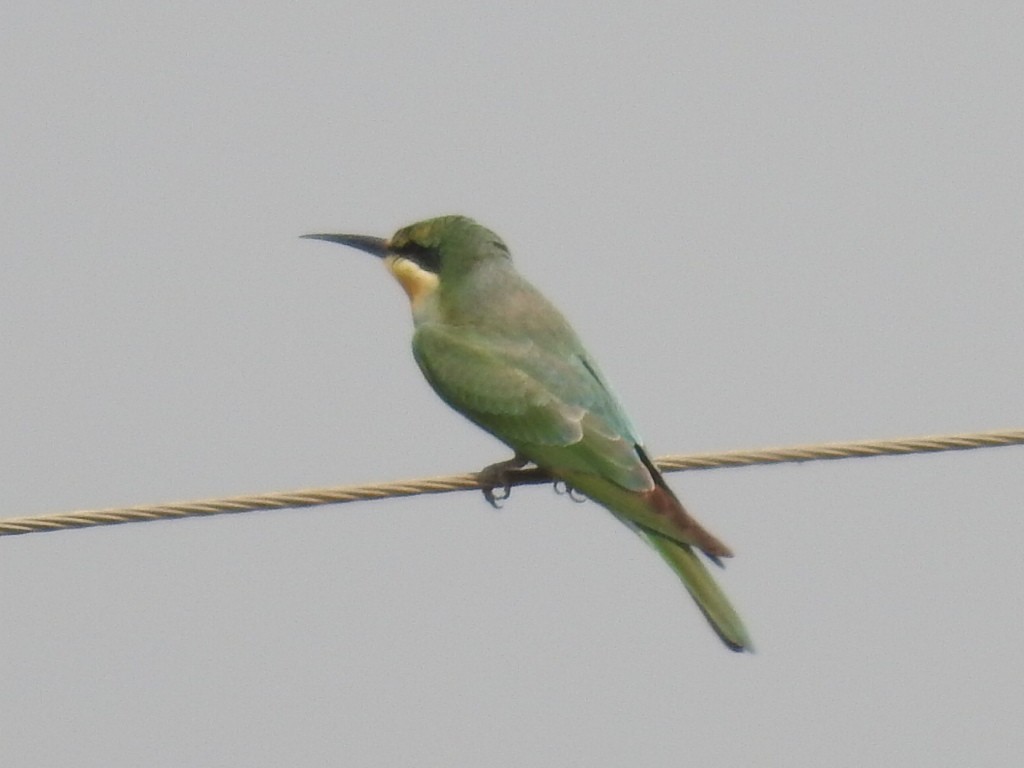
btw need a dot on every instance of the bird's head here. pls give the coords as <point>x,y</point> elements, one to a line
<point>427,254</point>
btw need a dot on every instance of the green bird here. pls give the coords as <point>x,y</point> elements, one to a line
<point>504,357</point>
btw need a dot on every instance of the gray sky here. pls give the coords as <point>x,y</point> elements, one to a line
<point>772,225</point>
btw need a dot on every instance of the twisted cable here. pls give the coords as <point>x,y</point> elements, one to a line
<point>342,494</point>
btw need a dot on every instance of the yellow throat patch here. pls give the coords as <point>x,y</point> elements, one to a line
<point>417,282</point>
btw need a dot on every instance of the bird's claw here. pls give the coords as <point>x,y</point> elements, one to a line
<point>562,488</point>
<point>494,499</point>
<point>499,476</point>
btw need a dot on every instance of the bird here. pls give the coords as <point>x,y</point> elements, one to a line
<point>499,353</point>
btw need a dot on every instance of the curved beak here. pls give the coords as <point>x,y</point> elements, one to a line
<point>377,246</point>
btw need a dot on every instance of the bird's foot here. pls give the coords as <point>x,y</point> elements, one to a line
<point>500,476</point>
<point>562,488</point>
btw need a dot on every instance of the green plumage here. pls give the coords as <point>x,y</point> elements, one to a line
<point>499,353</point>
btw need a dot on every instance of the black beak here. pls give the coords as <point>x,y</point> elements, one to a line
<point>378,246</point>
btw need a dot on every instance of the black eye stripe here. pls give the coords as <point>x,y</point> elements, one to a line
<point>428,258</point>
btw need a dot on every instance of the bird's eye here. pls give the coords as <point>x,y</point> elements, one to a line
<point>426,257</point>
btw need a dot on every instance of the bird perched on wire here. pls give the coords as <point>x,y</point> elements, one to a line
<point>504,357</point>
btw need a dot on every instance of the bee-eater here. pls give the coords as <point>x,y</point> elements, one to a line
<point>500,354</point>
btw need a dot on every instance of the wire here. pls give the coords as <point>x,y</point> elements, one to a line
<point>14,526</point>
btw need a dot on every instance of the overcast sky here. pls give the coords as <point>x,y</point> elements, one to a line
<point>771,224</point>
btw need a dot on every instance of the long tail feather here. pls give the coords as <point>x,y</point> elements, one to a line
<point>659,517</point>
<point>705,591</point>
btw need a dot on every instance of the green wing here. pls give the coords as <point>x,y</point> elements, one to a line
<point>534,400</point>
